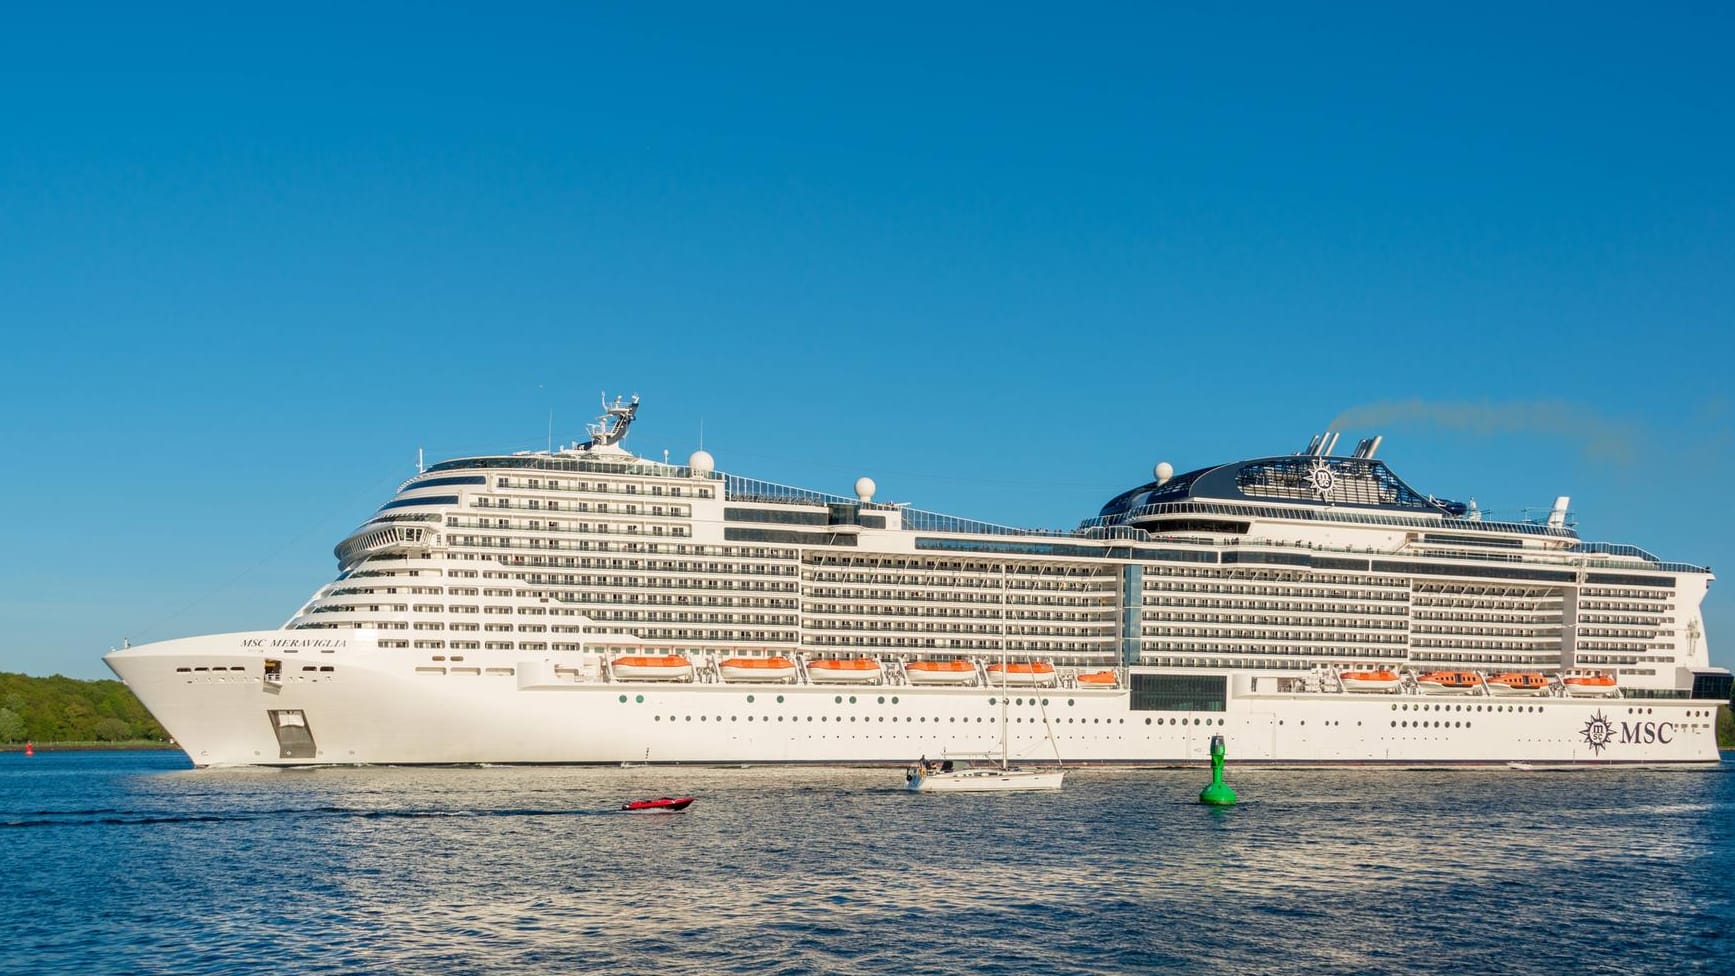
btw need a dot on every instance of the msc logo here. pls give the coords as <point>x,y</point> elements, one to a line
<point>1599,733</point>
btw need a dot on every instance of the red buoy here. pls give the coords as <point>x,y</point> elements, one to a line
<point>29,748</point>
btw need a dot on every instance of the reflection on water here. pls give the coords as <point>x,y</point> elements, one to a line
<point>124,863</point>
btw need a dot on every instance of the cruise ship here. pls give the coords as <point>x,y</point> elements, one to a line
<point>586,605</point>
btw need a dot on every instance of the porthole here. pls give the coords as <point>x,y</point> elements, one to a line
<point>749,699</point>
<point>838,699</point>
<point>779,699</point>
<point>882,700</point>
<point>852,699</point>
<point>894,699</point>
<point>640,699</point>
<point>657,718</point>
<point>1018,701</point>
<point>623,699</point>
<point>1147,721</point>
<point>1069,703</point>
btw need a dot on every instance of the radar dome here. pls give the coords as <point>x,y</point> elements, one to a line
<point>702,463</point>
<point>864,489</point>
<point>1164,471</point>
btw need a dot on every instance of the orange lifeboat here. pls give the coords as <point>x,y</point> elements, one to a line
<point>1021,673</point>
<point>1518,683</point>
<point>756,669</point>
<point>1098,679</point>
<point>1594,685</point>
<point>953,672</point>
<point>1448,682</point>
<point>849,670</point>
<point>1374,681</point>
<point>666,667</point>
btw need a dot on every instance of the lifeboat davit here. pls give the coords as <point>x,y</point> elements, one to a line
<point>1447,682</point>
<point>953,672</point>
<point>1518,683</point>
<point>849,670</point>
<point>662,804</point>
<point>1021,673</point>
<point>1098,679</point>
<point>1594,685</point>
<point>667,667</point>
<point>1371,681</point>
<point>756,669</point>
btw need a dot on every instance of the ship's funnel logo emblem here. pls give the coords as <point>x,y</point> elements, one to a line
<point>1321,479</point>
<point>1598,732</point>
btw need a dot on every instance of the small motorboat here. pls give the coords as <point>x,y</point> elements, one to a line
<point>1378,681</point>
<point>756,669</point>
<point>953,671</point>
<point>1600,685</point>
<point>849,670</point>
<point>642,667</point>
<point>1448,682</point>
<point>662,804</point>
<point>1518,683</point>
<point>1029,675</point>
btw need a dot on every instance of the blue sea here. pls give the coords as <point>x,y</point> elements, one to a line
<point>130,862</point>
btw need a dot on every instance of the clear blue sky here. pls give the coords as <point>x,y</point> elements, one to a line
<point>1002,259</point>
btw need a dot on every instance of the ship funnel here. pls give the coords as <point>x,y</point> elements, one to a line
<point>1373,445</point>
<point>1330,445</point>
<point>1557,515</point>
<point>1312,446</point>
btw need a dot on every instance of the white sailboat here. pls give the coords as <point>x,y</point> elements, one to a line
<point>984,774</point>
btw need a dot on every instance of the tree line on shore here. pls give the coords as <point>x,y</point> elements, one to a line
<point>62,709</point>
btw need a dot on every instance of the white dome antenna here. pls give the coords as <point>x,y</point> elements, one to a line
<point>1164,471</point>
<point>864,489</point>
<point>701,463</point>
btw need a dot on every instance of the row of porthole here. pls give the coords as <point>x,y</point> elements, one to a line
<point>838,700</point>
<point>827,718</point>
<point>852,718</point>
<point>1424,725</point>
<point>1466,708</point>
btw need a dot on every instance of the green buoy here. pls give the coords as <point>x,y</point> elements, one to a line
<point>1218,794</point>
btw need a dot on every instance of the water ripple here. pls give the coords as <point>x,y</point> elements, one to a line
<point>127,865</point>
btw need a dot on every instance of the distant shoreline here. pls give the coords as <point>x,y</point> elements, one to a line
<point>88,746</point>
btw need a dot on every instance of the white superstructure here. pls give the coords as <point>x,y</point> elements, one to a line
<point>584,605</point>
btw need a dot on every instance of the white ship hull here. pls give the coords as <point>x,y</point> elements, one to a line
<point>361,703</point>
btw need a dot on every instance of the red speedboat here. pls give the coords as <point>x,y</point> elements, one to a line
<point>664,804</point>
